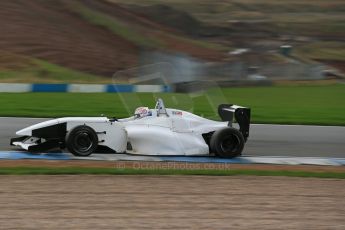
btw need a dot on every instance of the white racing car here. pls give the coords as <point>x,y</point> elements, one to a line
<point>158,131</point>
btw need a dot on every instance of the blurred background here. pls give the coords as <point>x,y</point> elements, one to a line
<point>233,42</point>
<point>284,59</point>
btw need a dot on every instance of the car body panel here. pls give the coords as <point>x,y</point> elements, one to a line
<point>160,132</point>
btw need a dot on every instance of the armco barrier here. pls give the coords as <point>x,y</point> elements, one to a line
<point>82,88</point>
<point>49,87</point>
<point>15,88</point>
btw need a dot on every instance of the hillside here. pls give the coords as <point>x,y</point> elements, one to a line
<point>316,29</point>
<point>90,36</point>
<point>89,40</point>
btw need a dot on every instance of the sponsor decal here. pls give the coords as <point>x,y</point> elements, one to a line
<point>177,113</point>
<point>143,112</point>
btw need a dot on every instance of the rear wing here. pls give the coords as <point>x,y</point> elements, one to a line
<point>228,112</point>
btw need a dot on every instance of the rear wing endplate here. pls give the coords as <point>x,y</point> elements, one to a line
<point>228,112</point>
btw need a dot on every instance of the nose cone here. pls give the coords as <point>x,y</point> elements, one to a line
<point>25,132</point>
<point>28,130</point>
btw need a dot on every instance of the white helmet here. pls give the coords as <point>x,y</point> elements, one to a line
<point>141,112</point>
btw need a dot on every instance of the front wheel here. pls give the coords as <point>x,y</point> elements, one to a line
<point>227,143</point>
<point>81,140</point>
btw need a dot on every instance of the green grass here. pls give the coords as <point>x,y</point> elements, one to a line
<point>285,17</point>
<point>41,71</point>
<point>323,105</point>
<point>202,43</point>
<point>323,51</point>
<point>131,32</point>
<point>130,171</point>
<point>114,25</point>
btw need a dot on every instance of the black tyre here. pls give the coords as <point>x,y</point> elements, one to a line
<point>81,140</point>
<point>227,143</point>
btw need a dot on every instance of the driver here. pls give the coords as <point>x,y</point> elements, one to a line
<point>141,112</point>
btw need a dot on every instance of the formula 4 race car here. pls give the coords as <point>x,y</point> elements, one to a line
<point>158,131</point>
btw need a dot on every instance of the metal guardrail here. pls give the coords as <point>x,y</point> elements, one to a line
<point>82,88</point>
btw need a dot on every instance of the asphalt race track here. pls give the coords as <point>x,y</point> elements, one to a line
<point>264,140</point>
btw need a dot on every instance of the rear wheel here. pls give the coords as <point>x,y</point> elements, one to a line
<point>227,143</point>
<point>81,140</point>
